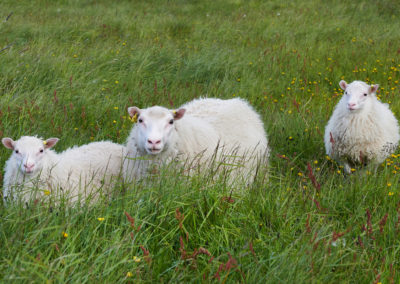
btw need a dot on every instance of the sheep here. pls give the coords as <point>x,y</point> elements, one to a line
<point>361,129</point>
<point>78,172</point>
<point>195,132</point>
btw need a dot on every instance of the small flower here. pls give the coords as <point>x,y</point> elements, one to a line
<point>129,274</point>
<point>352,170</point>
<point>328,158</point>
<point>390,193</point>
<point>75,56</point>
<point>114,121</point>
<point>315,162</point>
<point>290,138</point>
<point>318,169</point>
<point>44,142</point>
<point>64,234</point>
<point>100,219</point>
<point>238,79</point>
<point>136,259</point>
<point>389,184</point>
<point>338,171</point>
<point>300,174</point>
<point>133,118</point>
<point>116,82</point>
<point>76,128</point>
<point>46,192</point>
<point>116,108</point>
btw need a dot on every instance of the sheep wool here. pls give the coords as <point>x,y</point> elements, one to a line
<point>196,131</point>
<point>361,129</point>
<point>35,171</point>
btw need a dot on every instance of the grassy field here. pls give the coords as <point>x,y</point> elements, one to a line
<point>69,69</point>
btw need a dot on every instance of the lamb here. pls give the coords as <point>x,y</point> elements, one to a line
<point>195,132</point>
<point>77,173</point>
<point>361,128</point>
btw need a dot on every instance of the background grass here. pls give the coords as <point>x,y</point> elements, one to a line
<point>69,69</point>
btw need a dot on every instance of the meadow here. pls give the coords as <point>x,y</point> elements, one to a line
<point>69,69</point>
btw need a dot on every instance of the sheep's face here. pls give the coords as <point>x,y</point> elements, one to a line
<point>357,94</point>
<point>154,126</point>
<point>29,151</point>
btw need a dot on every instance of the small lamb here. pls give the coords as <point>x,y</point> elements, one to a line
<point>77,173</point>
<point>194,132</point>
<point>361,128</point>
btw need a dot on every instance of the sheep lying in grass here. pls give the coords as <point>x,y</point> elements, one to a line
<point>35,170</point>
<point>201,130</point>
<point>361,128</point>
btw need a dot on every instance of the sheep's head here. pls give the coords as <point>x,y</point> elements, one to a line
<point>357,94</point>
<point>29,152</point>
<point>154,126</point>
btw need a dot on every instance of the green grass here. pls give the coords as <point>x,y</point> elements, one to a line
<point>71,68</point>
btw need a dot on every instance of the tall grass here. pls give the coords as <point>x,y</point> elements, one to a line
<point>69,69</point>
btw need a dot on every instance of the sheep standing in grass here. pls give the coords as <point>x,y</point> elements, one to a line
<point>361,128</point>
<point>198,131</point>
<point>35,170</point>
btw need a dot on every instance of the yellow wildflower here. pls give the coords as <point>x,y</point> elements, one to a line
<point>129,274</point>
<point>133,118</point>
<point>46,192</point>
<point>64,234</point>
<point>100,219</point>
<point>136,259</point>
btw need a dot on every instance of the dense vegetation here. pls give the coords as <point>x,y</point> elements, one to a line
<point>69,69</point>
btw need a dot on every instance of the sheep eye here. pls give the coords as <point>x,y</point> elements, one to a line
<point>171,121</point>
<point>41,151</point>
<point>16,151</point>
<point>365,95</point>
<point>140,120</point>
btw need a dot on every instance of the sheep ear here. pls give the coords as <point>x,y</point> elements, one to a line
<point>373,88</point>
<point>50,142</point>
<point>133,110</point>
<point>8,143</point>
<point>343,85</point>
<point>178,114</point>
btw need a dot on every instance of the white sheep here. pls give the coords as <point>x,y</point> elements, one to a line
<point>361,128</point>
<point>197,131</point>
<point>34,170</point>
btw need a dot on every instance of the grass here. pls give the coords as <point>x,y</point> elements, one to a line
<point>69,69</point>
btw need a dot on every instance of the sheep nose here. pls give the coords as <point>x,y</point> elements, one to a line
<point>29,166</point>
<point>351,105</point>
<point>153,142</point>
